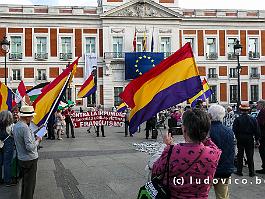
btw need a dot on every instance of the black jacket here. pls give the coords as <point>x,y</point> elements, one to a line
<point>246,127</point>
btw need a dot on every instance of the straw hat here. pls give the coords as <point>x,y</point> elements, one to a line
<point>26,111</point>
<point>244,106</point>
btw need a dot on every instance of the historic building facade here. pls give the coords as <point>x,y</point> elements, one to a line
<point>45,39</point>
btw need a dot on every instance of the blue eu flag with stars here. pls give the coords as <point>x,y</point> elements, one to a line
<point>138,63</point>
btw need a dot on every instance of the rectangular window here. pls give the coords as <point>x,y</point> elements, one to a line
<point>41,74</point>
<point>41,45</point>
<point>15,47</point>
<point>66,44</point>
<point>139,44</point>
<point>117,99</point>
<point>117,47</point>
<point>90,45</point>
<point>233,93</point>
<point>68,94</point>
<point>254,91</point>
<point>211,48</point>
<point>16,74</point>
<point>191,41</point>
<point>253,48</point>
<point>233,73</point>
<point>165,46</point>
<point>91,100</point>
<point>213,97</point>
<point>212,73</point>
<point>254,73</point>
<point>231,42</point>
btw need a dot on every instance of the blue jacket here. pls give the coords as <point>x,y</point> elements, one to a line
<point>223,137</point>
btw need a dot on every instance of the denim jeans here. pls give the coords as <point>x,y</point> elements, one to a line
<point>6,156</point>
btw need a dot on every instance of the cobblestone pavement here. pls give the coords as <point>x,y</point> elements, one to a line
<point>109,167</point>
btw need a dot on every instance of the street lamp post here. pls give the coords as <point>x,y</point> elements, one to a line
<point>237,51</point>
<point>5,44</point>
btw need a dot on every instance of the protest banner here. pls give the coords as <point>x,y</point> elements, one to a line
<point>98,118</point>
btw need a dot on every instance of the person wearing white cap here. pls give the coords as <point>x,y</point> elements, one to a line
<point>27,145</point>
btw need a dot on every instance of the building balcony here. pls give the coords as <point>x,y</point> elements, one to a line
<point>254,76</point>
<point>212,76</point>
<point>231,56</point>
<point>15,78</point>
<point>41,56</point>
<point>253,55</point>
<point>15,56</point>
<point>211,56</point>
<point>233,75</point>
<point>65,56</point>
<point>41,78</point>
<point>167,54</point>
<point>114,55</point>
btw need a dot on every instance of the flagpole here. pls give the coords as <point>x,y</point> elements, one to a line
<point>54,104</point>
<point>17,95</point>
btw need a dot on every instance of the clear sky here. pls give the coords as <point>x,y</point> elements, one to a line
<point>200,4</point>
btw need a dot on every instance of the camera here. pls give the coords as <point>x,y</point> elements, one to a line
<point>175,131</point>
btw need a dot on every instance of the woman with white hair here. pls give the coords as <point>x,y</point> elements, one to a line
<point>7,149</point>
<point>223,137</point>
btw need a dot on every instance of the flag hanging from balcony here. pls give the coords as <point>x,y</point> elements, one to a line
<point>89,87</point>
<point>134,41</point>
<point>144,43</point>
<point>152,41</point>
<point>5,97</point>
<point>139,63</point>
<point>171,82</point>
<point>20,92</point>
<point>48,101</point>
<point>202,95</point>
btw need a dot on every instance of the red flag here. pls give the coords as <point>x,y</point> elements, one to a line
<point>134,41</point>
<point>21,92</point>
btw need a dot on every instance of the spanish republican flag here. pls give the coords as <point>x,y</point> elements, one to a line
<point>202,95</point>
<point>169,83</point>
<point>48,100</point>
<point>122,107</point>
<point>88,88</point>
<point>5,98</point>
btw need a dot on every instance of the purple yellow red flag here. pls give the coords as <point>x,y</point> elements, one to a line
<point>122,107</point>
<point>202,95</point>
<point>169,83</point>
<point>51,94</point>
<point>88,88</point>
<point>5,97</point>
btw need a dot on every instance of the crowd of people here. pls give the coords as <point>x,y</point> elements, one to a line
<point>215,142</point>
<point>214,147</point>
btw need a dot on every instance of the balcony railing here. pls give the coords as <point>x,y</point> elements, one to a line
<point>231,56</point>
<point>15,56</point>
<point>211,56</point>
<point>167,54</point>
<point>254,76</point>
<point>233,75</point>
<point>212,76</point>
<point>41,56</point>
<point>65,56</point>
<point>114,55</point>
<point>41,78</point>
<point>253,55</point>
<point>15,78</point>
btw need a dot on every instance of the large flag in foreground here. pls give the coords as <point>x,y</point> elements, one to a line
<point>88,88</point>
<point>5,97</point>
<point>171,82</point>
<point>34,92</point>
<point>138,63</point>
<point>47,102</point>
<point>202,95</point>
